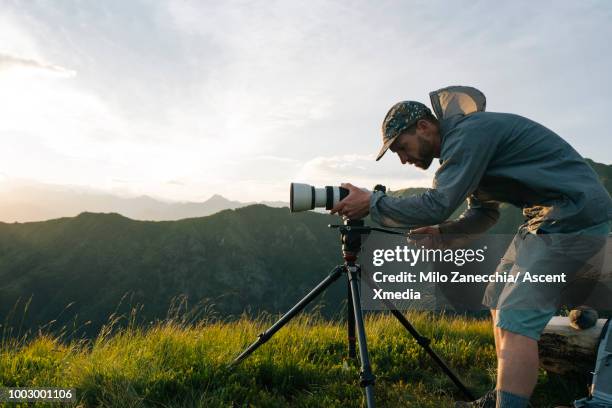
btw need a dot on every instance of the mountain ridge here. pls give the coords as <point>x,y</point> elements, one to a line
<point>40,202</point>
<point>248,258</point>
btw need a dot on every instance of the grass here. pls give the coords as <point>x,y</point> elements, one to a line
<point>179,364</point>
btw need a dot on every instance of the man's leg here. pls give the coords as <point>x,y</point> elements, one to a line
<point>495,331</point>
<point>517,334</point>
<point>517,363</point>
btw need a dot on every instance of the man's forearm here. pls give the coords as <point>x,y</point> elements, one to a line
<point>408,212</point>
<point>472,221</point>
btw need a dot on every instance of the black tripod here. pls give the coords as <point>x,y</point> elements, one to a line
<point>350,235</point>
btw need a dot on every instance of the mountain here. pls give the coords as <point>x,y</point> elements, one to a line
<point>604,171</point>
<point>37,202</point>
<point>256,257</point>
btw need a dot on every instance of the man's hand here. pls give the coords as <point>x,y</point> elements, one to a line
<point>429,237</point>
<point>356,205</point>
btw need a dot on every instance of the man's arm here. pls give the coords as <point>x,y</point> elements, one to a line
<point>477,218</point>
<point>469,152</point>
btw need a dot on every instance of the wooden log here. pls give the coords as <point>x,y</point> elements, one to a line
<point>565,350</point>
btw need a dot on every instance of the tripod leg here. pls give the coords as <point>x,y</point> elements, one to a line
<point>366,376</point>
<point>350,320</point>
<point>265,336</point>
<point>424,342</point>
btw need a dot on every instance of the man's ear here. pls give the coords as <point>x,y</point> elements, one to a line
<point>423,124</point>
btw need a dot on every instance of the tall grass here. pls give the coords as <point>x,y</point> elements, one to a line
<point>183,362</point>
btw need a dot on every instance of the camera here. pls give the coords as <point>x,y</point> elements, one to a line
<point>303,197</point>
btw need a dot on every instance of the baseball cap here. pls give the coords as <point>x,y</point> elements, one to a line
<point>400,117</point>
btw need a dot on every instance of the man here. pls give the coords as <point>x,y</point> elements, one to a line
<point>489,158</point>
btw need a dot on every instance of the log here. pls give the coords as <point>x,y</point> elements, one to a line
<point>565,350</point>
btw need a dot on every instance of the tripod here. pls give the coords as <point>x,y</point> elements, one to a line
<point>350,236</point>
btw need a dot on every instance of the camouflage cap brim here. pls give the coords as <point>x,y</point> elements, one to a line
<point>385,147</point>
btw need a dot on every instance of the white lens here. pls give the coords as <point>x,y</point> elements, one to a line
<point>301,197</point>
<point>336,196</point>
<point>320,197</point>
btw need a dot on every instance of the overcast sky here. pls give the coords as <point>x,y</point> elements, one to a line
<point>181,100</point>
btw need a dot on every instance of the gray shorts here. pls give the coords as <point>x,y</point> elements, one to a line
<point>526,307</point>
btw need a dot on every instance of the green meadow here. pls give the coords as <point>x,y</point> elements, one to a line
<point>179,364</point>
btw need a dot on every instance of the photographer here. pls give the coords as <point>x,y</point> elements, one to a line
<point>488,158</point>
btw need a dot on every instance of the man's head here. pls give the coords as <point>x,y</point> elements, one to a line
<point>412,132</point>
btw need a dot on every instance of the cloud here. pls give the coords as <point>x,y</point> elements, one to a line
<point>11,62</point>
<point>278,70</point>
<point>175,182</point>
<point>276,159</point>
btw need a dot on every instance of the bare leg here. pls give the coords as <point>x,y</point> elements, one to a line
<point>517,363</point>
<point>495,331</point>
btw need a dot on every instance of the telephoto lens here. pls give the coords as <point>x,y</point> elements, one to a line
<point>303,197</point>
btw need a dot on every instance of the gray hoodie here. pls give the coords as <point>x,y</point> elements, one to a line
<point>489,157</point>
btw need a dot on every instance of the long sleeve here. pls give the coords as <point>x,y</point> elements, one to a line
<point>477,218</point>
<point>465,157</point>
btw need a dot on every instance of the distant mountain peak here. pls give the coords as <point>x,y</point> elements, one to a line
<point>217,203</point>
<point>217,197</point>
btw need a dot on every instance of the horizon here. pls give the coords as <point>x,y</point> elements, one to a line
<point>161,100</point>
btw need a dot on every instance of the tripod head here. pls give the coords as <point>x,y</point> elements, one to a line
<point>350,237</point>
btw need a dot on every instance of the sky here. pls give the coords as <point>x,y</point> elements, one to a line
<point>180,100</point>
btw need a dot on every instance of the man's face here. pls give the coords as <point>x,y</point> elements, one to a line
<point>416,148</point>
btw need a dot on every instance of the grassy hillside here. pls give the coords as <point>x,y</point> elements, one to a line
<point>171,364</point>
